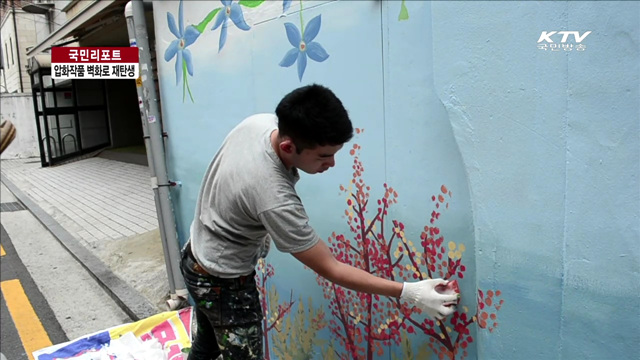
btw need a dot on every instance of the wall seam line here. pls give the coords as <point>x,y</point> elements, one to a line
<point>385,50</point>
<point>564,200</point>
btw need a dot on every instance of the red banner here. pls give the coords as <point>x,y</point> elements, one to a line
<point>102,55</point>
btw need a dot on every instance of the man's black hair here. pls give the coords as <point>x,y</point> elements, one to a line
<point>313,116</point>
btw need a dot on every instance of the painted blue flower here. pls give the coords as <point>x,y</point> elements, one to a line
<point>229,11</point>
<point>285,5</point>
<point>303,46</point>
<point>185,37</point>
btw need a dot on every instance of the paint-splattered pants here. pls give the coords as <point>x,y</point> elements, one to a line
<point>228,314</point>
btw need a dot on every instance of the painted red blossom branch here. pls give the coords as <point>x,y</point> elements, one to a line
<point>365,324</point>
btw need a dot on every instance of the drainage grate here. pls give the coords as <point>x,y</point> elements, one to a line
<point>12,206</point>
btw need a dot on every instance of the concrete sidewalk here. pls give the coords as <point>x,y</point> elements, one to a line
<point>103,212</point>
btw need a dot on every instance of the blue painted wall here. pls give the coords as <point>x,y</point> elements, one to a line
<point>550,144</point>
<point>539,149</point>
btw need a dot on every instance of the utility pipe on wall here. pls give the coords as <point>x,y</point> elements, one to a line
<point>154,143</point>
<point>147,144</point>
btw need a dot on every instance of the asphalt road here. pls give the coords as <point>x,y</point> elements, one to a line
<point>47,296</point>
<point>17,283</point>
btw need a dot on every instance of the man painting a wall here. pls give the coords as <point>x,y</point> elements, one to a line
<point>248,200</point>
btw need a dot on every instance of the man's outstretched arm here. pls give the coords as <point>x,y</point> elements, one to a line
<point>320,259</point>
<point>421,293</point>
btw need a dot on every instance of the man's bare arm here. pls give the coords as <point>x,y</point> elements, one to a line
<point>320,259</point>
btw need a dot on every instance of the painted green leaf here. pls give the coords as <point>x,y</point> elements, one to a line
<point>186,81</point>
<point>250,3</point>
<point>203,24</point>
<point>404,13</point>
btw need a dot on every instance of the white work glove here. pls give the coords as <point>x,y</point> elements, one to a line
<point>423,295</point>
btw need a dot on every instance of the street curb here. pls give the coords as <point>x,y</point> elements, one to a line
<point>129,300</point>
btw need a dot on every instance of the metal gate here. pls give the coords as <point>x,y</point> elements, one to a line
<point>71,116</point>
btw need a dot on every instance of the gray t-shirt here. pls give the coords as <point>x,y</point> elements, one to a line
<point>248,198</point>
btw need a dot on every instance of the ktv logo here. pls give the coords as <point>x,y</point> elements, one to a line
<point>546,40</point>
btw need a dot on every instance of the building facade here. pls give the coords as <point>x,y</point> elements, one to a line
<point>18,30</point>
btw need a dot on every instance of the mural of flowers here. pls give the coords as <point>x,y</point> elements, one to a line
<point>231,11</point>
<point>178,48</point>
<point>187,36</point>
<point>302,39</point>
<point>366,325</point>
<point>303,44</point>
